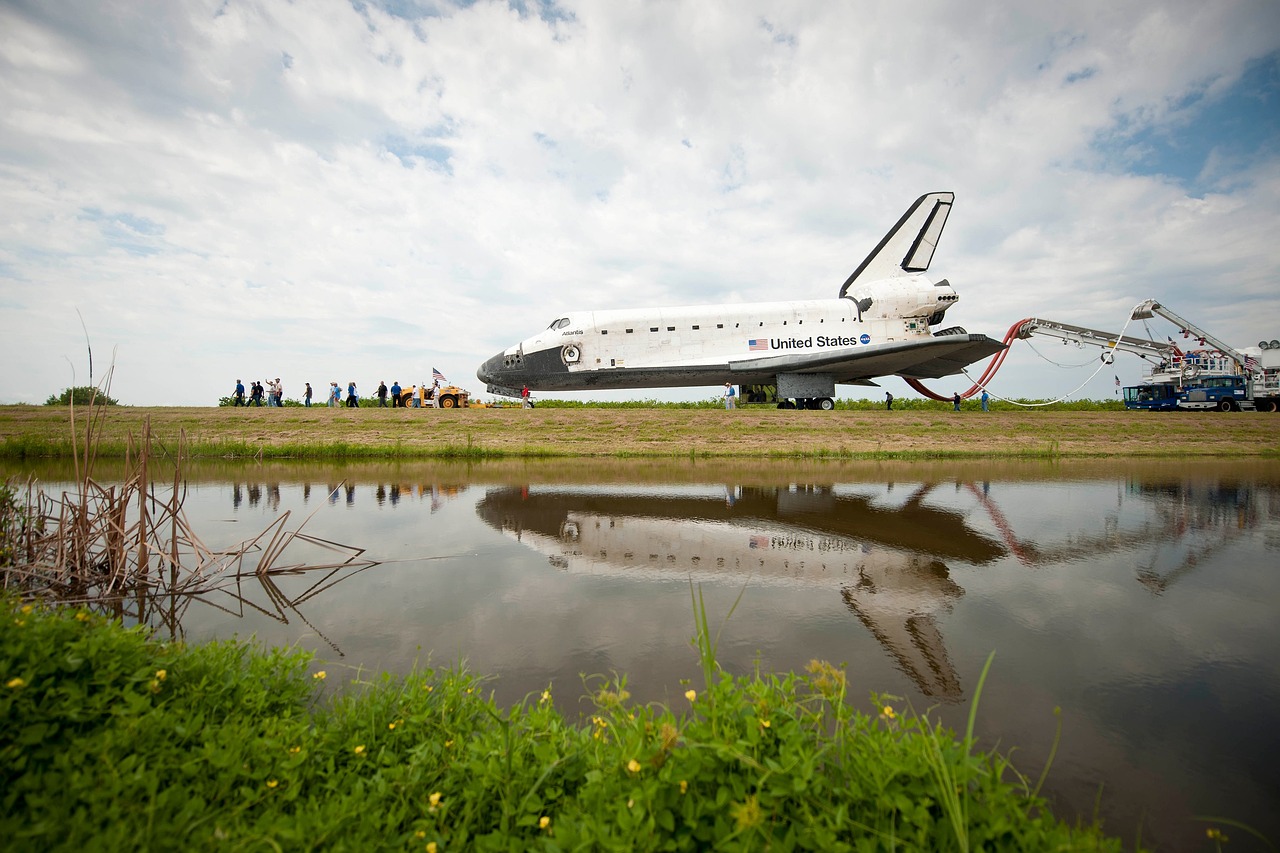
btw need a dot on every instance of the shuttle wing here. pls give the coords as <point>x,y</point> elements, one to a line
<point>932,358</point>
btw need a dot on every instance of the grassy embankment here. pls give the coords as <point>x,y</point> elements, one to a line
<point>755,432</point>
<point>110,741</point>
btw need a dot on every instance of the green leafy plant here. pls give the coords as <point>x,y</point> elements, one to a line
<point>112,740</point>
<point>81,395</point>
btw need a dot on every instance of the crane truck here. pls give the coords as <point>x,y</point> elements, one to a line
<point>1213,376</point>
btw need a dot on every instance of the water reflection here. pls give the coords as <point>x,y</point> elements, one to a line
<point>886,557</point>
<point>794,535</point>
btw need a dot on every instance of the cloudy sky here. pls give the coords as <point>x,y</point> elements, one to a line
<point>335,190</point>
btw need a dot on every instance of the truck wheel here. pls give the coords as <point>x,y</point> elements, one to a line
<point>448,401</point>
<point>1226,405</point>
<point>826,404</point>
<point>1268,406</point>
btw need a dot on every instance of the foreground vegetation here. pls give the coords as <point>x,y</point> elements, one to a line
<point>111,740</point>
<point>926,431</point>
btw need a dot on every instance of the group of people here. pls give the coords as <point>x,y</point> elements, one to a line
<point>273,393</point>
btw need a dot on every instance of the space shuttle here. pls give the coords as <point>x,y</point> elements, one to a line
<point>882,323</point>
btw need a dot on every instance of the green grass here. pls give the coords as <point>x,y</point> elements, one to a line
<point>111,740</point>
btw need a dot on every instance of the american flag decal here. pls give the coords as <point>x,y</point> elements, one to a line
<point>757,344</point>
<point>759,542</point>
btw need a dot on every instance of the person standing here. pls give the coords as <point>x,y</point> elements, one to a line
<point>353,402</point>
<point>279,393</point>
<point>239,393</point>
<point>395,394</point>
<point>306,397</point>
<point>955,401</point>
<point>888,401</point>
<point>729,395</point>
<point>524,398</point>
<point>382,393</point>
<point>335,395</point>
<point>986,400</point>
<point>255,393</point>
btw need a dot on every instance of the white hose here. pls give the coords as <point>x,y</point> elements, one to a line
<point>1101,364</point>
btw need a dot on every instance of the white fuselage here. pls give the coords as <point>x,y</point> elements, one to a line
<point>688,345</point>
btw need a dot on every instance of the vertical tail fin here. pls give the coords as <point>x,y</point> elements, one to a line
<point>909,245</point>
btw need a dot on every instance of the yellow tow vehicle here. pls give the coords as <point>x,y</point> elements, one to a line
<point>446,397</point>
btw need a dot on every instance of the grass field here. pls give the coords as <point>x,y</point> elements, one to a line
<point>372,433</point>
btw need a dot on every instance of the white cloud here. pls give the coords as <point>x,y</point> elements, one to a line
<point>325,191</point>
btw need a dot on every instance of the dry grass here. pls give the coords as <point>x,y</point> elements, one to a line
<point>128,546</point>
<point>408,433</point>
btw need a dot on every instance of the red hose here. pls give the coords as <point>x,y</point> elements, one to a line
<point>993,367</point>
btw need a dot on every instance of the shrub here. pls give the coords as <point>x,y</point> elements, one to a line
<point>81,395</point>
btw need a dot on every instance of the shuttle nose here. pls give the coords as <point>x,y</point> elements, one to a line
<point>488,372</point>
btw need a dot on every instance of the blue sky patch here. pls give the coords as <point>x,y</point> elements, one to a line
<point>410,153</point>
<point>1239,125</point>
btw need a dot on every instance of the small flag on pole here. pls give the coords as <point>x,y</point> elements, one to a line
<point>439,377</point>
<point>1117,381</point>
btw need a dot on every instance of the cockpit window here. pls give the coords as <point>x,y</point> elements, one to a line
<point>559,324</point>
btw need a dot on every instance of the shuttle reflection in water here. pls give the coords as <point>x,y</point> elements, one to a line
<point>889,563</point>
<point>886,563</point>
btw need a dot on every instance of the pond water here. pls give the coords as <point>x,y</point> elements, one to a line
<point>1139,598</point>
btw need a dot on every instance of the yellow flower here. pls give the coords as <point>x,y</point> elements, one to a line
<point>421,833</point>
<point>431,847</point>
<point>19,622</point>
<point>747,814</point>
<point>546,696</point>
<point>81,616</point>
<point>155,686</point>
<point>888,713</point>
<point>271,783</point>
<point>684,787</point>
<point>544,822</point>
<point>294,750</point>
<point>691,695</point>
<point>764,724</point>
<point>26,610</point>
<point>162,674</point>
<point>434,799</point>
<point>391,726</point>
<point>448,744</point>
<point>633,766</point>
<point>359,750</point>
<point>319,676</point>
<point>15,683</point>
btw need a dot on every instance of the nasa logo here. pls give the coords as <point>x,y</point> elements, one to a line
<point>866,339</point>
